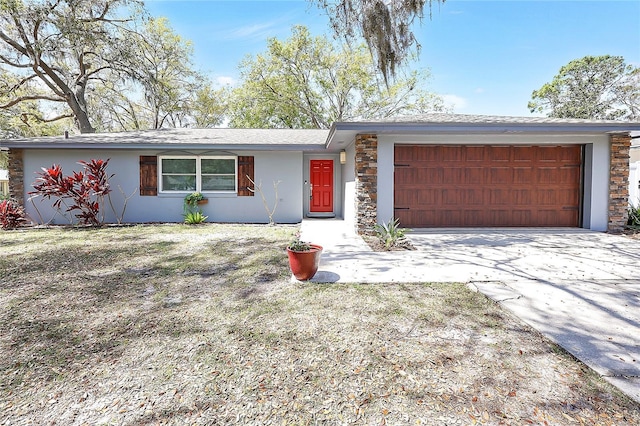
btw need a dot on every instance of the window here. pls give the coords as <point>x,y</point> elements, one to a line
<point>218,174</point>
<point>196,173</point>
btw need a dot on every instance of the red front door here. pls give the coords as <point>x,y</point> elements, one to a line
<point>321,186</point>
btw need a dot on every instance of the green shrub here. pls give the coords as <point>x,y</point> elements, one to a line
<point>634,217</point>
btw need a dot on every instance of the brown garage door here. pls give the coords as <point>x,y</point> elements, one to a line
<point>481,185</point>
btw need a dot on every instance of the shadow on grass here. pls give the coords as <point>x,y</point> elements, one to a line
<point>66,307</point>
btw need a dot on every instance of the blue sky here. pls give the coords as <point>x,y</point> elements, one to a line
<point>486,57</point>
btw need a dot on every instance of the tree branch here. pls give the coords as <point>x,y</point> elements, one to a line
<point>30,98</point>
<point>13,64</point>
<point>45,120</point>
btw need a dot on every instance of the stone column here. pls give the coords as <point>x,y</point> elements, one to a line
<point>366,168</point>
<point>16,175</point>
<point>619,181</point>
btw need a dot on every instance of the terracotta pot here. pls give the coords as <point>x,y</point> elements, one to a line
<point>304,264</point>
<point>203,201</point>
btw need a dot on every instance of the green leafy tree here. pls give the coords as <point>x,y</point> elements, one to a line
<point>164,68</point>
<point>24,119</point>
<point>66,46</point>
<point>210,106</point>
<point>384,25</point>
<point>593,87</point>
<point>159,89</point>
<point>308,82</point>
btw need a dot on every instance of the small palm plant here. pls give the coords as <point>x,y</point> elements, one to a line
<point>391,234</point>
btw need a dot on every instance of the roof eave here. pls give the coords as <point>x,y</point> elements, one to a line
<point>480,128</point>
<point>137,146</point>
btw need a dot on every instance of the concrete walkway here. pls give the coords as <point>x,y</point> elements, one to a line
<point>579,288</point>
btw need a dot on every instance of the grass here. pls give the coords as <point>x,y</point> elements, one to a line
<point>173,324</point>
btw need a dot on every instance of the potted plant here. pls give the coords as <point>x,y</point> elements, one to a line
<point>304,258</point>
<point>194,199</point>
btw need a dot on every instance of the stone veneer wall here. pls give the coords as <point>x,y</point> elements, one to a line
<point>366,168</point>
<point>619,181</point>
<point>16,175</point>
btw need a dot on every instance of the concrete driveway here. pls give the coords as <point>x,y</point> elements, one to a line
<point>580,288</point>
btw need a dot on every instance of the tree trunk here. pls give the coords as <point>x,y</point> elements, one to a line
<point>78,105</point>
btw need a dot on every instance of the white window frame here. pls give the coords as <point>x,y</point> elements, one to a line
<point>198,159</point>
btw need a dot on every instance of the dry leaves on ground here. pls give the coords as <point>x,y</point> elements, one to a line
<point>179,325</point>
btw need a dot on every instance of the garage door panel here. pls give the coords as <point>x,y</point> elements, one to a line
<point>450,197</point>
<point>523,154</point>
<point>472,197</point>
<point>500,196</point>
<point>406,198</point>
<point>500,215</point>
<point>434,176</point>
<point>546,197</point>
<point>499,153</point>
<point>547,175</point>
<point>453,175</point>
<point>474,153</point>
<point>479,185</point>
<point>406,175</point>
<point>474,217</point>
<point>568,175</point>
<point>522,197</point>
<point>450,217</point>
<point>473,175</point>
<point>523,175</point>
<point>569,154</point>
<point>450,154</point>
<point>428,197</point>
<point>568,198</point>
<point>501,175</point>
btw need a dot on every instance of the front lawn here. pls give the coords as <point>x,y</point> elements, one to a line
<point>172,324</point>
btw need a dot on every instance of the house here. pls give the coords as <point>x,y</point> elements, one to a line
<point>434,170</point>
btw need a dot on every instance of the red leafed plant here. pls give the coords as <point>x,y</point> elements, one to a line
<point>86,189</point>
<point>12,214</point>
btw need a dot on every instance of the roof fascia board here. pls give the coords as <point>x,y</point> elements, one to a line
<point>579,128</point>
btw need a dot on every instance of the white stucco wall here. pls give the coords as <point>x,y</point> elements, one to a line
<point>634,184</point>
<point>596,177</point>
<point>268,167</point>
<point>349,187</point>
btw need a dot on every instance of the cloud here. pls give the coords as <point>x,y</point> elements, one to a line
<point>225,80</point>
<point>255,31</point>
<point>454,101</point>
<point>262,30</point>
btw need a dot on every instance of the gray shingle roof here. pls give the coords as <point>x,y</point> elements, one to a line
<point>341,133</point>
<point>295,139</point>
